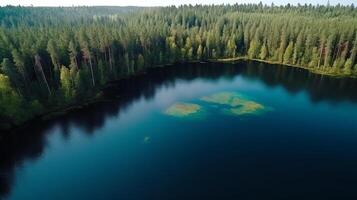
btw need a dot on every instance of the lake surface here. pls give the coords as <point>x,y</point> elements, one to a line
<point>195,131</point>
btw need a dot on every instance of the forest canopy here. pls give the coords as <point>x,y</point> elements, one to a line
<point>55,57</point>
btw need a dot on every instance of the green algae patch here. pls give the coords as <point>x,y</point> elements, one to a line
<point>225,98</point>
<point>236,104</point>
<point>183,110</point>
<point>249,107</point>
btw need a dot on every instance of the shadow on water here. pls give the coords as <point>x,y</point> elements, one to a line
<point>29,143</point>
<point>294,80</point>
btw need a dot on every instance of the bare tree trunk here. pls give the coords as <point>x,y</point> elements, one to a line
<point>39,69</point>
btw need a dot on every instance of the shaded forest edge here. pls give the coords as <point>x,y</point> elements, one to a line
<point>56,58</point>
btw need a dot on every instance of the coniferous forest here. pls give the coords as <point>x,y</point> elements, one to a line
<point>55,57</point>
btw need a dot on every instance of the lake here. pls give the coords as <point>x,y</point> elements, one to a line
<point>195,131</point>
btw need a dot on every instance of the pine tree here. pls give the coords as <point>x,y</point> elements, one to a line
<point>283,43</point>
<point>253,49</point>
<point>263,52</point>
<point>10,101</point>
<point>288,53</point>
<point>141,62</point>
<point>10,71</point>
<point>66,84</point>
<point>73,53</point>
<point>54,53</point>
<point>328,50</point>
<point>231,48</point>
<point>298,49</point>
<point>200,52</point>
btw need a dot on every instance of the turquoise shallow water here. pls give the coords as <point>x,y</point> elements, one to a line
<point>300,143</point>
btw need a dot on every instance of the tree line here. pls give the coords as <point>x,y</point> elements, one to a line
<point>54,57</point>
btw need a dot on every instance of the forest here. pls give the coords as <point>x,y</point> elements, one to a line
<point>52,58</point>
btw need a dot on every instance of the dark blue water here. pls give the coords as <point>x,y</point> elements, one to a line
<point>301,144</point>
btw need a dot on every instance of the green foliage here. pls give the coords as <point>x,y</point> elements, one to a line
<point>54,53</point>
<point>263,52</point>
<point>104,73</point>
<point>49,52</point>
<point>190,54</point>
<point>231,49</point>
<point>298,49</point>
<point>348,66</point>
<point>283,43</point>
<point>253,49</point>
<point>82,83</point>
<point>199,52</point>
<point>314,58</point>
<point>141,62</point>
<point>66,84</point>
<point>288,53</point>
<point>10,101</point>
<point>10,71</point>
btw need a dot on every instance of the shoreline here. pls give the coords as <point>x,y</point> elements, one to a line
<point>97,97</point>
<point>315,71</point>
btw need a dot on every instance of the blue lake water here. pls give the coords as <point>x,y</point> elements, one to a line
<point>292,135</point>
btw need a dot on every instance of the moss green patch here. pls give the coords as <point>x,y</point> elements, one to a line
<point>225,98</point>
<point>249,107</point>
<point>183,109</point>
<point>237,104</point>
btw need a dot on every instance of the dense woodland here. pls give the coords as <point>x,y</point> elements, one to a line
<point>55,57</point>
